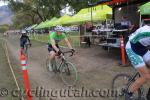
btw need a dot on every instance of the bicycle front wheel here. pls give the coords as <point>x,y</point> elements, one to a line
<point>26,51</point>
<point>68,73</point>
<point>120,84</point>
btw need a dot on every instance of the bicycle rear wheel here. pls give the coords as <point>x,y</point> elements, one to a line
<point>120,84</point>
<point>68,73</point>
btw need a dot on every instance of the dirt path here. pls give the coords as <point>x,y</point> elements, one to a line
<point>96,68</point>
<point>7,83</point>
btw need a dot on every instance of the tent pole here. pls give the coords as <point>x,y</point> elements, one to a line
<point>85,29</point>
<point>140,24</point>
<point>79,35</point>
<point>91,16</point>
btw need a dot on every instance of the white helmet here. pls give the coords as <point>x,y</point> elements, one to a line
<point>59,28</point>
<point>23,31</point>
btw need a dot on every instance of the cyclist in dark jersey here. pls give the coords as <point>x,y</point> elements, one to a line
<point>24,39</point>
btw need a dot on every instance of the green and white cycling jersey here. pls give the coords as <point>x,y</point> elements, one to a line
<point>136,47</point>
<point>136,60</point>
<point>56,37</point>
<point>142,35</point>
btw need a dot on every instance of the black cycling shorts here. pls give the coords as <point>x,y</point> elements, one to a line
<point>139,49</point>
<point>50,48</point>
<point>22,43</point>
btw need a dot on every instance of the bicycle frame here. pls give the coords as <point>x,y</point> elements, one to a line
<point>137,74</point>
<point>26,49</point>
<point>133,79</point>
<point>63,60</point>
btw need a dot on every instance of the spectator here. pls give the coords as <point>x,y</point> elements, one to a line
<point>87,40</point>
<point>125,23</point>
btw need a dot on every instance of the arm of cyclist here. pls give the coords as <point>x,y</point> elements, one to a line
<point>55,47</point>
<point>29,41</point>
<point>69,45</point>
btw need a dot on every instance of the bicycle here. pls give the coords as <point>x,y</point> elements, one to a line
<point>65,68</point>
<point>122,82</point>
<point>25,50</point>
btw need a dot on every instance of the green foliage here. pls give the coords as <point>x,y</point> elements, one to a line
<point>3,28</point>
<point>44,9</point>
<point>77,5</point>
<point>28,12</point>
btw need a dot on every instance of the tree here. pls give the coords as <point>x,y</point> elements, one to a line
<point>3,28</point>
<point>77,5</point>
<point>44,9</point>
<point>35,11</point>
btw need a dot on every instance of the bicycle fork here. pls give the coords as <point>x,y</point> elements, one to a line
<point>68,71</point>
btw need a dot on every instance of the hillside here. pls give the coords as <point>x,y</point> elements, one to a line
<point>5,15</point>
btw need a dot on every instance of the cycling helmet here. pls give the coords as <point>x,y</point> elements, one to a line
<point>23,32</point>
<point>59,29</point>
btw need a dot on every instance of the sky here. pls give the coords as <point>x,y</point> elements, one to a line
<point>3,3</point>
<point>66,10</point>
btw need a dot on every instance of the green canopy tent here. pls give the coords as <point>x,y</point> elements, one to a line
<point>76,18</point>
<point>145,9</point>
<point>33,26</point>
<point>49,23</point>
<point>30,27</point>
<point>40,26</point>
<point>98,13</point>
<point>61,20</point>
<point>64,19</point>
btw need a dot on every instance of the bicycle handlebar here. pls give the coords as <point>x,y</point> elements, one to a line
<point>68,52</point>
<point>28,44</point>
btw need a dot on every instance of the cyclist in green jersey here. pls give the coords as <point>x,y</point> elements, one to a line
<point>53,40</point>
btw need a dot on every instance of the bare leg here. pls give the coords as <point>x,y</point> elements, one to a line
<point>148,94</point>
<point>52,55</point>
<point>145,76</point>
<point>51,58</point>
<point>148,64</point>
